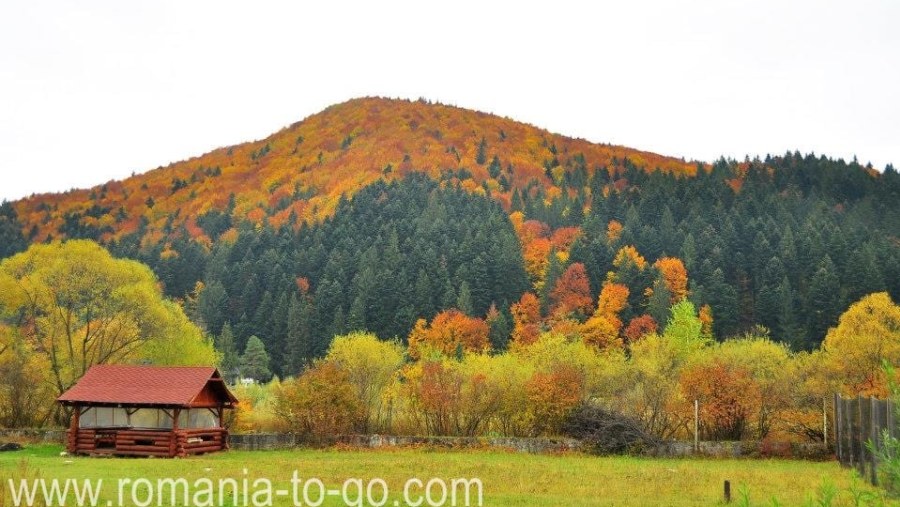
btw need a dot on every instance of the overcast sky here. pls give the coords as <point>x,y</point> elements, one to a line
<point>92,91</point>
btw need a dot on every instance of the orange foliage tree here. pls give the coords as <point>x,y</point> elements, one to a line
<point>613,299</point>
<point>729,398</point>
<point>551,396</point>
<point>536,245</point>
<point>675,277</point>
<point>613,231</point>
<point>572,292</point>
<point>437,395</point>
<point>526,320</point>
<point>450,332</point>
<point>706,321</point>
<point>603,328</point>
<point>562,238</point>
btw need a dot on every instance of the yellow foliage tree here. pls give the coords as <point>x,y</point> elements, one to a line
<point>370,364</point>
<point>77,305</point>
<point>867,334</point>
<point>320,403</point>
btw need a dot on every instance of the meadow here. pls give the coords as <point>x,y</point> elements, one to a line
<point>508,478</point>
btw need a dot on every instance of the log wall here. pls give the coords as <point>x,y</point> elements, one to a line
<point>147,442</point>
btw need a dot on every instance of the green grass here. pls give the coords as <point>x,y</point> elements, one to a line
<point>508,478</point>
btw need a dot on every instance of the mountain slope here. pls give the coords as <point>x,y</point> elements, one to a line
<point>452,208</point>
<point>305,168</point>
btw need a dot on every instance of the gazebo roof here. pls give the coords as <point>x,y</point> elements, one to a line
<point>134,385</point>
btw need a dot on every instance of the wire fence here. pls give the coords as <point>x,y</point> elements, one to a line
<point>858,421</point>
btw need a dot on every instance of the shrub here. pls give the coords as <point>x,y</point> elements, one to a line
<point>320,404</point>
<point>603,431</point>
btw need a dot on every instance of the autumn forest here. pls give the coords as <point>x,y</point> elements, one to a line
<point>458,238</point>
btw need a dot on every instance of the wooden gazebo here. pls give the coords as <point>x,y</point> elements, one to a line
<point>162,411</point>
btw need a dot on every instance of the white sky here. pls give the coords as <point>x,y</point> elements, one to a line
<point>91,91</point>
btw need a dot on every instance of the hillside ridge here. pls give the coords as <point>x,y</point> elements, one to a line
<point>303,169</point>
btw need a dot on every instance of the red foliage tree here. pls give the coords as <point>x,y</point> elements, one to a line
<point>639,327</point>
<point>572,292</point>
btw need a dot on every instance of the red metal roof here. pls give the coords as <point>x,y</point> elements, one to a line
<point>146,385</point>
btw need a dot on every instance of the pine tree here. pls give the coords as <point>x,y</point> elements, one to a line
<point>11,239</point>
<point>516,201</point>
<point>554,270</point>
<point>338,324</point>
<point>862,273</point>
<point>212,306</point>
<point>500,323</point>
<point>787,250</point>
<point>658,304</point>
<point>723,299</point>
<point>494,168</point>
<point>230,359</point>
<point>768,298</point>
<point>424,297</point>
<point>464,299</point>
<point>298,343</point>
<point>481,156</point>
<point>263,323</point>
<point>255,361</point>
<point>278,341</point>
<point>823,299</point>
<point>788,330</point>
<point>356,319</point>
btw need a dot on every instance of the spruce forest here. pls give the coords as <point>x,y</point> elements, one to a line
<point>393,216</point>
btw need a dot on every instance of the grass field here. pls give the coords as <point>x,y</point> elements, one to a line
<point>508,478</point>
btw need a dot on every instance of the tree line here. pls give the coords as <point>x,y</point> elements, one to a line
<point>786,243</point>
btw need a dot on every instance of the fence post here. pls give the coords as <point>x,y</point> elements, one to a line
<point>890,417</point>
<point>873,423</point>
<point>837,428</point>
<point>696,426</point>
<point>851,436</point>
<point>861,455</point>
<point>825,421</point>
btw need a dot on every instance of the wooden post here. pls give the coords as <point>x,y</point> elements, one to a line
<point>873,424</point>
<point>696,426</point>
<point>224,434</point>
<point>727,491</point>
<point>72,441</point>
<point>173,440</point>
<point>837,429</point>
<point>849,427</point>
<point>861,458</point>
<point>889,417</point>
<point>825,421</point>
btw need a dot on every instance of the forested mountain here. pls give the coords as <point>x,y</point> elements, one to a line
<point>395,253</point>
<point>303,170</point>
<point>376,213</point>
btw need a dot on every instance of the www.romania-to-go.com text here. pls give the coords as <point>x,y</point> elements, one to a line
<point>245,492</point>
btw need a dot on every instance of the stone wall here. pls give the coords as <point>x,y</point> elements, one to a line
<point>259,441</point>
<point>272,441</point>
<point>746,449</point>
<point>56,436</point>
<point>262,441</point>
